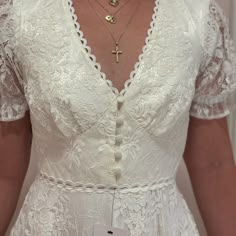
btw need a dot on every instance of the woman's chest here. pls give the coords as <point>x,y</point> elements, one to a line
<point>116,46</point>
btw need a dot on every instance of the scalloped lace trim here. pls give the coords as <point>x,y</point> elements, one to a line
<point>97,65</point>
<point>99,188</point>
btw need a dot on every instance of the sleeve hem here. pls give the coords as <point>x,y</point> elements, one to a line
<point>10,116</point>
<point>219,109</point>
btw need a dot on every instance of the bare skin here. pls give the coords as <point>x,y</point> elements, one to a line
<point>211,167</point>
<point>208,154</point>
<point>102,44</point>
<point>15,145</point>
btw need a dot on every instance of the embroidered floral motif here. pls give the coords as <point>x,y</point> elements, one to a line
<point>131,142</point>
<point>45,64</point>
<point>12,101</point>
<point>216,83</point>
<point>73,152</point>
<point>46,212</point>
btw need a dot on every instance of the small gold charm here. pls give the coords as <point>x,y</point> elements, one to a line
<point>114,3</point>
<point>117,53</point>
<point>111,19</point>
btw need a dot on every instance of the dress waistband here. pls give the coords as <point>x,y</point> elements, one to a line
<point>100,188</point>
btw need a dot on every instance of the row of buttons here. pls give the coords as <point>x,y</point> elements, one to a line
<point>118,139</point>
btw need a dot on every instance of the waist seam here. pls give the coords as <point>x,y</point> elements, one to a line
<point>100,188</point>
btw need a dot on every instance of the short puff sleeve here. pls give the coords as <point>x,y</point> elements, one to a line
<point>215,85</point>
<point>12,100</point>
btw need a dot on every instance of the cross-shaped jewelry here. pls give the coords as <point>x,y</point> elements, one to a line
<point>117,52</point>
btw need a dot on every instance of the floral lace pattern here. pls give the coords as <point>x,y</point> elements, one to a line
<point>146,210</point>
<point>47,213</point>
<point>140,211</point>
<point>12,101</point>
<point>99,152</point>
<point>215,92</point>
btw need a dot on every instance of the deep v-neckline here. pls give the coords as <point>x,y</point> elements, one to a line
<point>93,60</point>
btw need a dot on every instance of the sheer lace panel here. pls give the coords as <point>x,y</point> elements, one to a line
<point>12,101</point>
<point>215,94</point>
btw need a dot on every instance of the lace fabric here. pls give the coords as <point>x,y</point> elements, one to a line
<point>215,94</point>
<point>53,209</point>
<point>12,100</point>
<point>84,136</point>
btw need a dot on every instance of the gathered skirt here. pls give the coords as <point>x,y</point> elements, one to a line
<point>52,208</point>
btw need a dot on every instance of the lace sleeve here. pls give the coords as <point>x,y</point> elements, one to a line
<point>215,88</point>
<point>12,100</point>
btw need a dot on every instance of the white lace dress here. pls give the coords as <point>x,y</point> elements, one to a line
<point>106,156</point>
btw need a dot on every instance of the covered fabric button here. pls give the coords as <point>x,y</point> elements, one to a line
<point>120,99</point>
<point>119,121</point>
<point>117,172</point>
<point>119,139</point>
<point>118,156</point>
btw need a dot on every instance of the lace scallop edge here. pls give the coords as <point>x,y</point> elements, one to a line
<point>93,58</point>
<point>100,188</point>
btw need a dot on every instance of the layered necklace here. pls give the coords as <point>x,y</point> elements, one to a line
<point>112,19</point>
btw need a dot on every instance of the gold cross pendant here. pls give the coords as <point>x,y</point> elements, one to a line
<point>117,53</point>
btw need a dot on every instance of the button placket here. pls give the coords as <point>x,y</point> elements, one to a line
<point>119,121</point>
<point>117,172</point>
<point>118,139</point>
<point>118,156</point>
<point>120,101</point>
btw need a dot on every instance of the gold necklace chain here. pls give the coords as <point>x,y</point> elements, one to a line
<point>111,17</point>
<point>116,52</point>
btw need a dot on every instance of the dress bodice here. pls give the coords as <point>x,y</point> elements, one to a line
<point>84,129</point>
<point>106,156</point>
